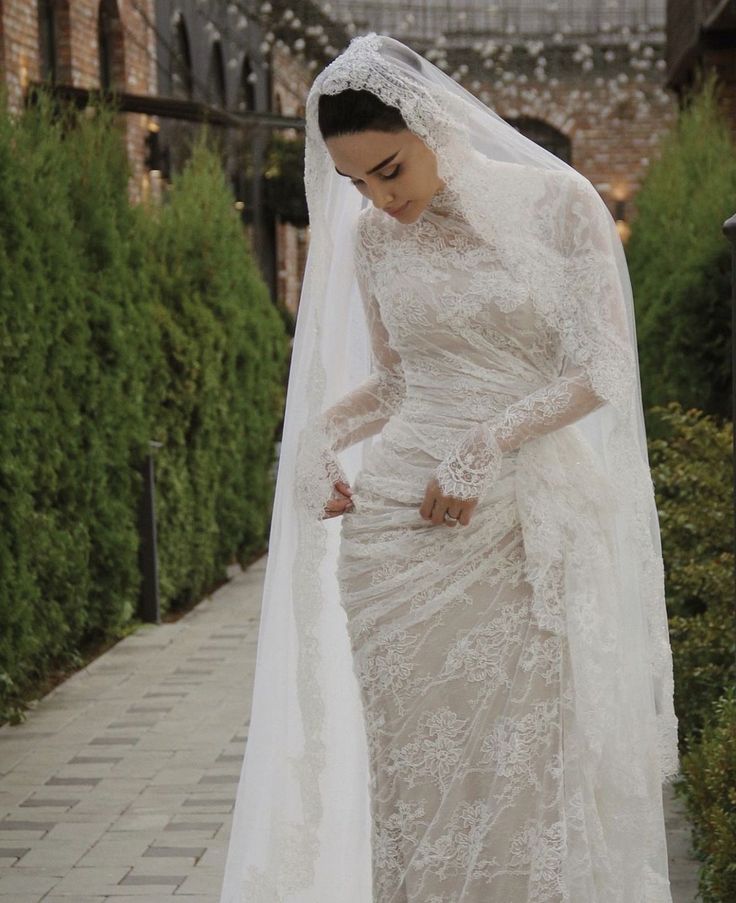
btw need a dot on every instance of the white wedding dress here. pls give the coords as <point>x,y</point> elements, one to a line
<point>482,788</point>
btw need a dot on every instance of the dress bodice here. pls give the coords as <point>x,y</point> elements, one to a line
<point>468,341</point>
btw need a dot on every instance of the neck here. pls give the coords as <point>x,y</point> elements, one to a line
<point>442,201</point>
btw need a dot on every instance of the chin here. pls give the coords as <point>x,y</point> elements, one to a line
<point>409,215</point>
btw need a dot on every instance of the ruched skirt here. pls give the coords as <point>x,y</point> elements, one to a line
<point>461,693</point>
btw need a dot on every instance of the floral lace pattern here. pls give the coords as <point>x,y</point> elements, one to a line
<point>480,785</point>
<point>514,676</point>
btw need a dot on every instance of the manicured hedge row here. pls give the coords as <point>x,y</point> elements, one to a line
<point>679,260</point>
<point>121,324</point>
<point>691,469</point>
<point>680,265</point>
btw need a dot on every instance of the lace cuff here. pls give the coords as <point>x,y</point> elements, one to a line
<point>332,466</point>
<point>471,464</point>
<point>317,469</point>
<point>476,458</point>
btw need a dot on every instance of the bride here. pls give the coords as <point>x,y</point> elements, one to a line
<point>485,712</point>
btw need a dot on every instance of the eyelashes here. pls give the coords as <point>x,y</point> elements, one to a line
<point>392,176</point>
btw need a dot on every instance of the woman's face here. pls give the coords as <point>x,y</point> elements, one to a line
<point>396,170</point>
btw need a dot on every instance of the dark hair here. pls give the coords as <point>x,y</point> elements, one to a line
<point>352,111</point>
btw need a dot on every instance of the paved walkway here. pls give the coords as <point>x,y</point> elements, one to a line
<point>119,786</point>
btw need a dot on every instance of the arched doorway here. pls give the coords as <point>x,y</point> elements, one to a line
<point>544,134</point>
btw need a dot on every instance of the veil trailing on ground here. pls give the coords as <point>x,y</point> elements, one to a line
<point>301,826</point>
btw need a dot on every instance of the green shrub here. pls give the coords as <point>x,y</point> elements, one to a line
<point>691,466</point>
<point>46,532</point>
<point>218,404</point>
<point>691,470</point>
<point>679,261</point>
<point>119,326</point>
<point>709,770</point>
<point>704,652</point>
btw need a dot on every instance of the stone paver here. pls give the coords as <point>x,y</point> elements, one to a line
<point>120,784</point>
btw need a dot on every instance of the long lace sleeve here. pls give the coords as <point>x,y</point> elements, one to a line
<point>366,409</point>
<point>477,457</point>
<point>598,363</point>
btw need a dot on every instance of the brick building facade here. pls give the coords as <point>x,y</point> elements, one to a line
<point>135,46</point>
<point>585,101</point>
<point>84,44</point>
<point>610,138</point>
<point>702,36</point>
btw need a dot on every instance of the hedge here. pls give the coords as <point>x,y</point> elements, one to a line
<point>692,473</point>
<point>121,324</point>
<point>679,261</point>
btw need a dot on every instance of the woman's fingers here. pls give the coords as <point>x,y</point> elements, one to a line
<point>435,504</point>
<point>432,495</point>
<point>464,518</point>
<point>438,511</point>
<point>343,488</point>
<point>455,511</point>
<point>335,506</point>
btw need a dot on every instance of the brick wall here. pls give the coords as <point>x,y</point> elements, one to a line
<point>613,136</point>
<point>78,60</point>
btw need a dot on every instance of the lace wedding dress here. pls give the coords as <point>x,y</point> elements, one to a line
<point>480,713</point>
<point>480,786</point>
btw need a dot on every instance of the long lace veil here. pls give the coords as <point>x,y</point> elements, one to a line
<point>301,826</point>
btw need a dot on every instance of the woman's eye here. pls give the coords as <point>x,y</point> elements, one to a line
<point>391,175</point>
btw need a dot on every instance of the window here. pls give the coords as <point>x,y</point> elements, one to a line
<point>110,46</point>
<point>182,82</point>
<point>47,39</point>
<point>247,89</point>
<point>216,91</point>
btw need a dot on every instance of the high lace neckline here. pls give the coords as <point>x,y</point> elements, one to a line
<point>444,202</point>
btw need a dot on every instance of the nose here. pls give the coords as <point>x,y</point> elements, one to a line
<point>381,200</point>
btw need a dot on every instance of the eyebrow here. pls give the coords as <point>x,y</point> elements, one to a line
<point>378,166</point>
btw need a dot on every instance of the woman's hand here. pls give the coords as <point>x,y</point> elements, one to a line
<point>435,505</point>
<point>335,474</point>
<point>336,506</point>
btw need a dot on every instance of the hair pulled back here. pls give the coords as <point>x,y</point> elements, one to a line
<point>351,111</point>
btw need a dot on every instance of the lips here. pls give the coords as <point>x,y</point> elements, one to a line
<point>397,209</point>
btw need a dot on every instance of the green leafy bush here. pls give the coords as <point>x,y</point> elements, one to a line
<point>120,325</point>
<point>679,260</point>
<point>221,388</point>
<point>691,468</point>
<point>284,179</point>
<point>709,770</point>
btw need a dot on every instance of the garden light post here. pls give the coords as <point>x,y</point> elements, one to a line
<point>729,229</point>
<point>149,607</point>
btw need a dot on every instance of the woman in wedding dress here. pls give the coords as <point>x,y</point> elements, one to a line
<point>492,717</point>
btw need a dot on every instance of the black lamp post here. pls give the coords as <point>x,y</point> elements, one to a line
<point>729,229</point>
<point>148,604</point>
